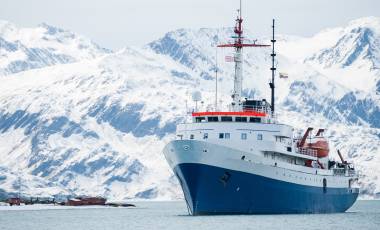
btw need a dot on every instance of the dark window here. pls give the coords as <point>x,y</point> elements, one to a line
<point>260,137</point>
<point>289,149</point>
<point>212,119</point>
<point>199,119</point>
<point>255,119</point>
<point>324,185</point>
<point>226,118</point>
<point>221,135</point>
<point>191,136</point>
<point>241,119</point>
<point>205,136</point>
<point>244,136</point>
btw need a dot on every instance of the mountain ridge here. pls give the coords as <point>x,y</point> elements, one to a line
<point>29,48</point>
<point>91,126</point>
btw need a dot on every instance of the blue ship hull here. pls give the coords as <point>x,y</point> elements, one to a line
<point>212,190</point>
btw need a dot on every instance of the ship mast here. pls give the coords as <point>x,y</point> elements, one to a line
<point>216,79</point>
<point>238,59</point>
<point>238,79</point>
<point>273,69</point>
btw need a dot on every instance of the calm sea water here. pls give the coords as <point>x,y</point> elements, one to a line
<point>173,215</point>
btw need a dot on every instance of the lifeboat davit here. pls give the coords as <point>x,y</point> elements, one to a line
<point>318,143</point>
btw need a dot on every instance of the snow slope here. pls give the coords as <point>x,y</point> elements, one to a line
<point>29,48</point>
<point>93,123</point>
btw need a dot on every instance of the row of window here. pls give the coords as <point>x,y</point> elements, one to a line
<point>243,136</point>
<point>228,119</point>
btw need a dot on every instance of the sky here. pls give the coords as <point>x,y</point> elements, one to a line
<point>115,24</point>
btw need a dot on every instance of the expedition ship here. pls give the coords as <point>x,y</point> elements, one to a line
<point>243,161</point>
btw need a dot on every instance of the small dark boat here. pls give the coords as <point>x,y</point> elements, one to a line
<point>14,201</point>
<point>79,201</point>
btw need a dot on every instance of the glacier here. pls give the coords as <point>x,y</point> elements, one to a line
<point>76,118</point>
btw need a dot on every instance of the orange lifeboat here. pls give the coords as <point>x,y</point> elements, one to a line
<point>318,143</point>
<point>321,145</point>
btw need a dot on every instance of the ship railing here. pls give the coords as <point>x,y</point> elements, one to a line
<point>339,171</point>
<point>308,152</point>
<point>260,109</point>
<point>351,172</point>
<point>274,117</point>
<point>344,172</point>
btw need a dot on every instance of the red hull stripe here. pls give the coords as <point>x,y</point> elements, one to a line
<point>250,114</point>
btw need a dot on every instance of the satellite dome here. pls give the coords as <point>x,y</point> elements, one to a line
<point>197,96</point>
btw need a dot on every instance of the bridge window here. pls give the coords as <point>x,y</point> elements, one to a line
<point>212,119</point>
<point>255,119</point>
<point>260,137</point>
<point>224,135</point>
<point>244,136</point>
<point>241,119</point>
<point>205,136</point>
<point>199,119</point>
<point>226,118</point>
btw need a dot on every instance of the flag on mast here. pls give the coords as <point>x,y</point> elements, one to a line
<point>229,59</point>
<point>284,75</point>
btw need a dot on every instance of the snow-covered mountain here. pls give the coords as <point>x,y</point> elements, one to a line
<point>97,124</point>
<point>348,56</point>
<point>94,124</point>
<point>356,44</point>
<point>29,48</point>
